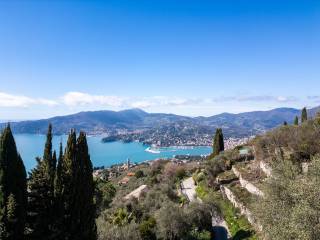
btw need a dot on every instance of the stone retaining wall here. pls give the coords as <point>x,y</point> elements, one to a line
<point>226,192</point>
<point>265,168</point>
<point>247,185</point>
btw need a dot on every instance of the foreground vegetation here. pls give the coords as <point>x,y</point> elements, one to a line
<point>291,209</point>
<point>57,200</point>
<point>160,213</point>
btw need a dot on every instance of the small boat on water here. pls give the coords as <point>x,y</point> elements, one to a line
<point>151,150</point>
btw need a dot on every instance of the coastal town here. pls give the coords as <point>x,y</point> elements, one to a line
<point>174,136</point>
<point>107,173</point>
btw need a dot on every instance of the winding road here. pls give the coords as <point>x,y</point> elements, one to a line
<point>220,229</point>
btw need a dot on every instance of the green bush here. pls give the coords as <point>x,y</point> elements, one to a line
<point>139,174</point>
<point>147,229</point>
<point>203,235</point>
<point>104,194</point>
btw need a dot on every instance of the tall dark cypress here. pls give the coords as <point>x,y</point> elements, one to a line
<point>41,207</point>
<point>304,115</point>
<point>59,208</point>
<point>65,187</point>
<point>83,215</point>
<point>48,157</point>
<point>13,189</point>
<point>296,121</point>
<point>218,143</point>
<point>57,180</point>
<point>74,190</point>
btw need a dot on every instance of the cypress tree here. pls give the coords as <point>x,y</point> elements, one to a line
<point>49,159</point>
<point>83,215</point>
<point>218,143</point>
<point>317,118</point>
<point>41,209</point>
<point>65,187</point>
<point>304,115</point>
<point>57,182</point>
<point>74,190</point>
<point>296,121</point>
<point>13,189</point>
<point>58,198</point>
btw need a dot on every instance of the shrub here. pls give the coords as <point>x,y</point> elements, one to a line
<point>139,174</point>
<point>180,173</point>
<point>174,172</point>
<point>291,208</point>
<point>147,229</point>
<point>203,235</point>
<point>104,193</point>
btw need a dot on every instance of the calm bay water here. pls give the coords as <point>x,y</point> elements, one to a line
<point>102,154</point>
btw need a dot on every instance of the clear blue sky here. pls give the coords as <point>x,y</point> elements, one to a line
<point>186,57</point>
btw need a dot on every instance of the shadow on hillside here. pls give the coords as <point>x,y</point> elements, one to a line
<point>220,233</point>
<point>242,234</point>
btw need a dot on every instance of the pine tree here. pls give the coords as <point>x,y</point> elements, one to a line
<point>304,115</point>
<point>296,121</point>
<point>41,207</point>
<point>218,143</point>
<point>13,189</point>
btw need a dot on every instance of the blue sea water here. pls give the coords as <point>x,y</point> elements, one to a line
<point>102,154</point>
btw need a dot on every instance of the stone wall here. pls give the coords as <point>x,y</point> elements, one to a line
<point>226,192</point>
<point>247,185</point>
<point>265,168</point>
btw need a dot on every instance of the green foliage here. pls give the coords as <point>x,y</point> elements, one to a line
<point>218,143</point>
<point>198,177</point>
<point>109,231</point>
<point>180,173</point>
<point>295,143</point>
<point>74,191</point>
<point>161,203</point>
<point>183,200</point>
<point>296,121</point>
<point>174,172</point>
<point>121,217</point>
<point>41,202</point>
<point>213,167</point>
<point>201,191</point>
<point>139,174</point>
<point>304,115</point>
<point>11,208</point>
<point>13,194</point>
<point>291,208</point>
<point>317,118</point>
<point>172,222</point>
<point>105,192</point>
<point>238,225</point>
<point>83,209</point>
<point>147,229</point>
<point>202,235</point>
<point>60,200</point>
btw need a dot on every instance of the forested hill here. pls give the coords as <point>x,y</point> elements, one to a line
<point>97,122</point>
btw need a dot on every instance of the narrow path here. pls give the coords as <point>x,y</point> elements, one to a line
<point>188,188</point>
<point>220,229</point>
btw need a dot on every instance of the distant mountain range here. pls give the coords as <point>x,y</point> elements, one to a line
<point>112,122</point>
